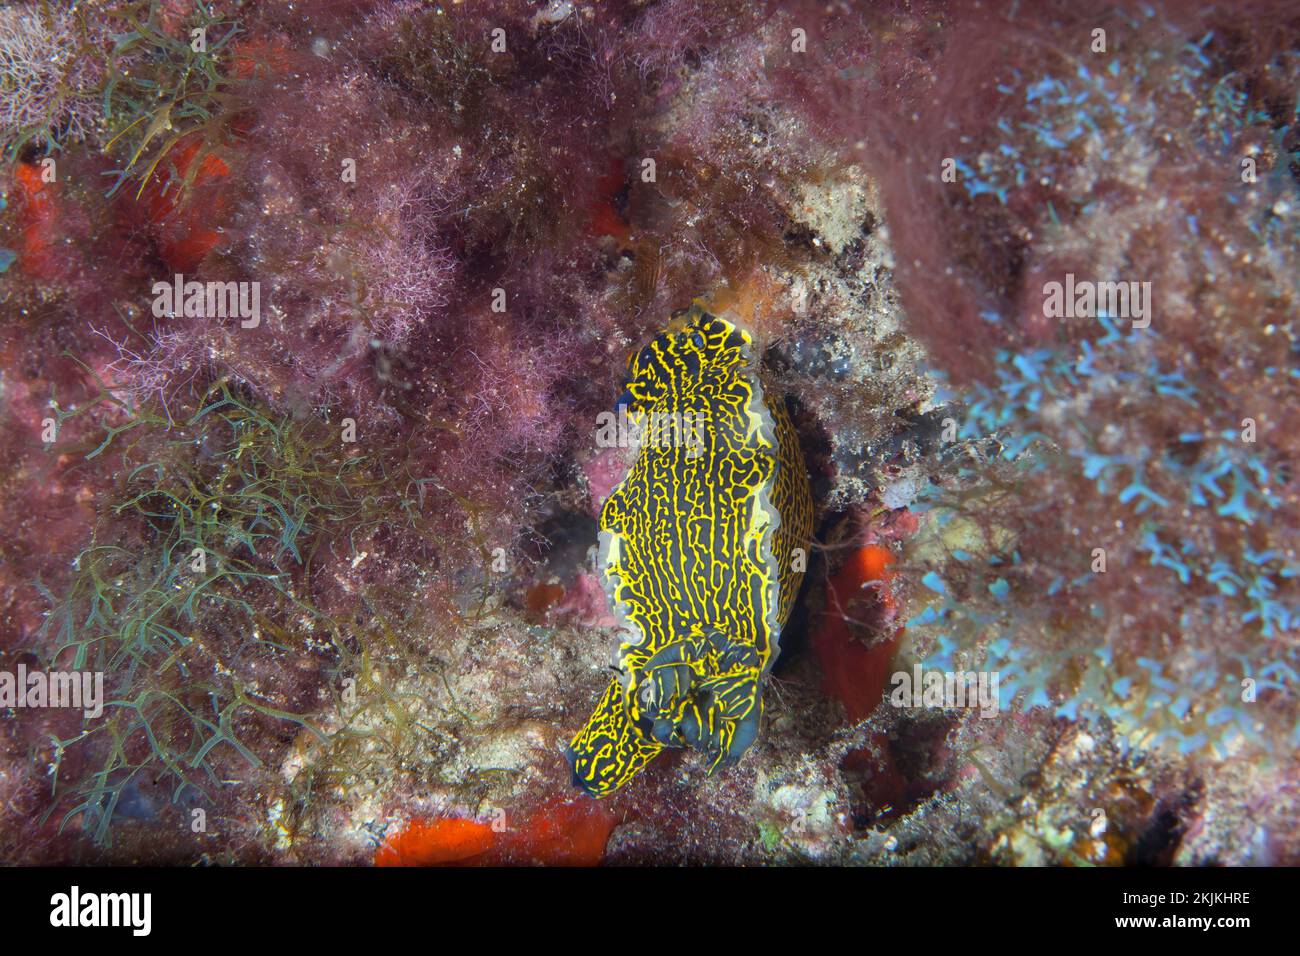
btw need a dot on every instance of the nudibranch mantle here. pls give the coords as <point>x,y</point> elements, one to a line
<point>698,554</point>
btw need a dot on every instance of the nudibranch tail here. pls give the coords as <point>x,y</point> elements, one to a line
<point>698,550</point>
<point>610,750</point>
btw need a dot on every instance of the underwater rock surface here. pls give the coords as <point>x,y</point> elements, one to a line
<point>308,332</point>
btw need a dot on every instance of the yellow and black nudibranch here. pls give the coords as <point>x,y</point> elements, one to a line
<point>698,552</point>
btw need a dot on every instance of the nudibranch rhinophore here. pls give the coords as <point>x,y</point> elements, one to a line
<point>701,548</point>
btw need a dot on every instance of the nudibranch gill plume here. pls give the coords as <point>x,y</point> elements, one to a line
<point>702,549</point>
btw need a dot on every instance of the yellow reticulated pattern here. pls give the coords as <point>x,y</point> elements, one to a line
<point>702,552</point>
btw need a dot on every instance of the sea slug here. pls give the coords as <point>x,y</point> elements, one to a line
<point>702,549</point>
